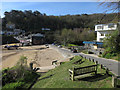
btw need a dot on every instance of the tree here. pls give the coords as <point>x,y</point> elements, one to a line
<point>112,42</point>
<point>111,6</point>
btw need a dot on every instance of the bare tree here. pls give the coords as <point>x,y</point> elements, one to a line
<point>110,5</point>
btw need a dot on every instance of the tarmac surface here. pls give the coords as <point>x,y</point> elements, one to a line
<point>112,65</point>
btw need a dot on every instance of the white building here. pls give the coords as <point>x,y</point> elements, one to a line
<point>104,29</point>
<point>46,29</point>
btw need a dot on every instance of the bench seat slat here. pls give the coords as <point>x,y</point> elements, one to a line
<point>77,74</point>
<point>85,67</point>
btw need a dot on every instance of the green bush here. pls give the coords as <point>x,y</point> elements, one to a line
<point>15,76</point>
<point>108,55</point>
<point>13,85</point>
<point>29,76</point>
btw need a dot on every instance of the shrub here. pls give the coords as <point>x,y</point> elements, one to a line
<point>22,61</point>
<point>108,55</point>
<point>18,75</point>
<point>13,85</point>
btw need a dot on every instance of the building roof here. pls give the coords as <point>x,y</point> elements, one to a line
<point>105,24</point>
<point>38,35</point>
<point>92,42</point>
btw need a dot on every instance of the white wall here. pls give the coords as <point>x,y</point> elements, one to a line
<point>105,27</point>
<point>103,32</point>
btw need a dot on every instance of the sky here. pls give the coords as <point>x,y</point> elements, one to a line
<point>55,8</point>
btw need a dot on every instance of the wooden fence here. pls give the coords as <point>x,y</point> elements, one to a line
<point>114,77</point>
<point>82,70</point>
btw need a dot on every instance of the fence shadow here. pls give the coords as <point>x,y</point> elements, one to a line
<point>81,62</point>
<point>46,77</point>
<point>33,82</point>
<point>93,78</point>
<point>36,80</point>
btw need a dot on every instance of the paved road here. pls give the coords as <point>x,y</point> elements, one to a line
<point>112,65</point>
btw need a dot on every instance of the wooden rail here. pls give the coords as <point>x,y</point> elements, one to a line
<point>78,61</point>
<point>82,70</point>
<point>114,77</point>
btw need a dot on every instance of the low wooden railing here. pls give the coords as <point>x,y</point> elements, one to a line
<point>81,71</point>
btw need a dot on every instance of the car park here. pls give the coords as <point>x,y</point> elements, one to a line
<point>11,46</point>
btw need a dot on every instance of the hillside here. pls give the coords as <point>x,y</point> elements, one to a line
<point>34,21</point>
<point>59,77</point>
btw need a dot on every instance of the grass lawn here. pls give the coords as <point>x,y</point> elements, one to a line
<point>59,77</point>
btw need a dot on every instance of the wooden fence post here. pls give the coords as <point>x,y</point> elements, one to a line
<point>101,66</point>
<point>96,62</point>
<point>107,71</point>
<point>114,81</point>
<point>73,74</point>
<point>96,69</point>
<point>89,59</point>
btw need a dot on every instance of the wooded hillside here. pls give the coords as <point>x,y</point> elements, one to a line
<point>34,21</point>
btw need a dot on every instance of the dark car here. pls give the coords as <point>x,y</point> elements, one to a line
<point>47,46</point>
<point>74,50</point>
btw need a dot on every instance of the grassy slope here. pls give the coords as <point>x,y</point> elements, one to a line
<point>59,78</point>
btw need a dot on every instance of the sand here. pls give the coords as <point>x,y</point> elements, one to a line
<point>39,55</point>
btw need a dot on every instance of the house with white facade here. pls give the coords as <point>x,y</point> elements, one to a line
<point>46,29</point>
<point>104,29</point>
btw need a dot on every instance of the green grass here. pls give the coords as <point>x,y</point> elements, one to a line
<point>59,77</point>
<point>85,51</point>
<point>69,45</point>
<point>117,57</point>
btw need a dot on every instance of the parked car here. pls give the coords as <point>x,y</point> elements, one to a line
<point>53,43</point>
<point>47,46</point>
<point>11,46</point>
<point>74,50</point>
<point>59,46</point>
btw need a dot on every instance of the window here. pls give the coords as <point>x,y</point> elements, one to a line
<point>111,25</point>
<point>99,27</point>
<point>102,34</point>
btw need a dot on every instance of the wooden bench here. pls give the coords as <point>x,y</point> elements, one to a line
<point>82,70</point>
